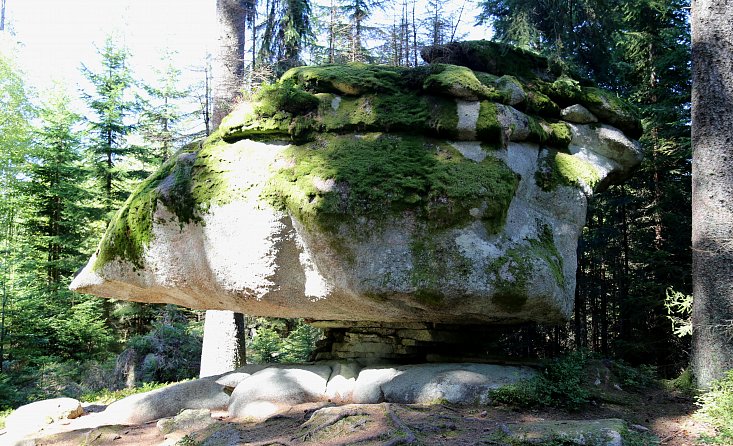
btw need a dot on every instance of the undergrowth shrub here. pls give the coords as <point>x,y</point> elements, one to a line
<point>716,408</point>
<point>270,345</point>
<point>634,378</point>
<point>684,383</point>
<point>107,396</point>
<point>560,384</point>
<point>170,352</point>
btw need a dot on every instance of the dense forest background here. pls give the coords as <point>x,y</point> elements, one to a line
<point>63,173</point>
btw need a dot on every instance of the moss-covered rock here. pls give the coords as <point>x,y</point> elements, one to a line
<point>492,57</point>
<point>359,192</point>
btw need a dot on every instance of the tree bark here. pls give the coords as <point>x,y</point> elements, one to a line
<point>712,188</point>
<point>228,69</point>
<point>223,348</point>
<point>2,16</point>
<point>224,342</point>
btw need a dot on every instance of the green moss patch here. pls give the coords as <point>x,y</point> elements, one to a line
<point>285,96</point>
<point>131,228</point>
<point>558,168</point>
<point>383,98</point>
<point>493,57</point>
<point>377,174</point>
<point>457,81</point>
<point>512,271</point>
<point>488,128</point>
<point>351,79</point>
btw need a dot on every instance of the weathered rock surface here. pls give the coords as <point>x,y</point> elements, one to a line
<point>368,193</point>
<point>606,432</point>
<point>273,388</point>
<point>167,402</point>
<point>35,415</point>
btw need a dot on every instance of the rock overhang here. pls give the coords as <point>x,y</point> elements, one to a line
<point>438,194</point>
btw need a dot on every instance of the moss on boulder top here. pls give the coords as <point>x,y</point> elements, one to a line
<point>308,101</point>
<point>452,192</point>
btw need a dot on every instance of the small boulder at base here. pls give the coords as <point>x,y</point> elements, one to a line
<point>604,432</point>
<point>453,383</point>
<point>167,402</point>
<point>265,392</point>
<point>34,416</point>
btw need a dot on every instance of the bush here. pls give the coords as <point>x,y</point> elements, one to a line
<point>635,378</point>
<point>301,342</point>
<point>559,385</point>
<point>170,352</point>
<point>266,346</point>
<point>716,408</point>
<point>269,343</point>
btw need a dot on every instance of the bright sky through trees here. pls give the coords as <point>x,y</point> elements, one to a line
<point>57,36</point>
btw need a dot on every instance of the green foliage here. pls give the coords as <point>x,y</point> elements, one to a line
<point>684,383</point>
<point>679,312</point>
<point>3,415</point>
<point>50,377</point>
<point>560,384</point>
<point>300,343</point>
<point>169,352</point>
<point>282,341</point>
<point>266,346</point>
<point>716,408</point>
<point>111,104</point>
<point>635,378</point>
<point>161,113</point>
<point>634,438</point>
<point>107,396</point>
<point>81,332</point>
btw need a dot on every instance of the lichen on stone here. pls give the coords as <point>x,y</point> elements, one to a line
<point>512,271</point>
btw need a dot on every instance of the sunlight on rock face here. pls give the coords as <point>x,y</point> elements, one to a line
<point>440,194</point>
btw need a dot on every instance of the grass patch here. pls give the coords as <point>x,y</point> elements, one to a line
<point>716,408</point>
<point>107,396</point>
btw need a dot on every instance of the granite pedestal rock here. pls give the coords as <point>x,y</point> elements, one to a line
<point>443,194</point>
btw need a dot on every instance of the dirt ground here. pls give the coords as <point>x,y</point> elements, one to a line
<point>668,415</point>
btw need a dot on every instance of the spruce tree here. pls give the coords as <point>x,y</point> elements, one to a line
<point>161,113</point>
<point>112,105</point>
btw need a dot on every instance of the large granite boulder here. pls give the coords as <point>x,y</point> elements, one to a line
<point>441,194</point>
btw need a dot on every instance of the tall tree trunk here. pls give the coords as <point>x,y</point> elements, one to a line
<point>712,188</point>
<point>332,34</point>
<point>223,348</point>
<point>2,15</point>
<point>414,33</point>
<point>224,342</point>
<point>228,70</point>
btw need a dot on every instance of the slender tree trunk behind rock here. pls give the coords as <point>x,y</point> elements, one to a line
<point>224,342</point>
<point>228,67</point>
<point>712,188</point>
<point>223,348</point>
<point>2,16</point>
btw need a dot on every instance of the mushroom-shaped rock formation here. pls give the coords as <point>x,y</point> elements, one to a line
<point>363,194</point>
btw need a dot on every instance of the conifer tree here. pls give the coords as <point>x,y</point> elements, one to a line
<point>112,105</point>
<point>161,113</point>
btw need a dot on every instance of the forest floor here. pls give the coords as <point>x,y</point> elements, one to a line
<point>667,414</point>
